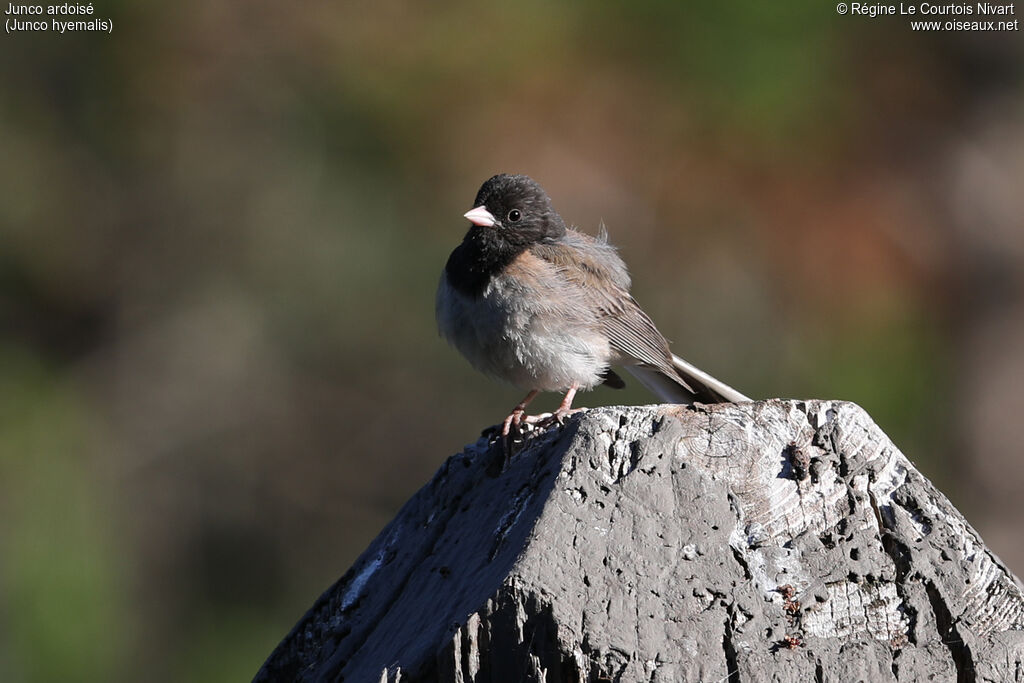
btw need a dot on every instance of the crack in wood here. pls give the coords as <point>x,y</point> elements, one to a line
<point>950,636</point>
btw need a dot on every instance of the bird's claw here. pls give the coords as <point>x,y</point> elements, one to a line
<point>518,424</point>
<point>514,419</point>
<point>558,417</point>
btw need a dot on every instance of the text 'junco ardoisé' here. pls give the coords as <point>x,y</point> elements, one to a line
<point>533,302</point>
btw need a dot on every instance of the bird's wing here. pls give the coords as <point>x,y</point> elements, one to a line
<point>600,282</point>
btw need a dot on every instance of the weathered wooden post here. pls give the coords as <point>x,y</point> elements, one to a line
<point>767,541</point>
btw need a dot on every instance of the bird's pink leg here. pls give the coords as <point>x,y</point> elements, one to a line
<point>515,418</point>
<point>565,407</point>
<point>564,410</point>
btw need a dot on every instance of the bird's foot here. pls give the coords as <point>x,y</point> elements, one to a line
<point>558,417</point>
<point>514,420</point>
<point>512,431</point>
<point>518,425</point>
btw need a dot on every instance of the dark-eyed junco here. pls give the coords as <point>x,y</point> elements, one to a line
<point>533,302</point>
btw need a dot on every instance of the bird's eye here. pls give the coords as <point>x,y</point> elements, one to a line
<point>514,215</point>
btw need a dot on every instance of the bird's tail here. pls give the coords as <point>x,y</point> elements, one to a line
<point>697,385</point>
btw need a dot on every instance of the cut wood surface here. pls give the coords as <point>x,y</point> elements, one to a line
<point>765,541</point>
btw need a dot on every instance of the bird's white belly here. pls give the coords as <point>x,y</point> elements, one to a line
<point>544,345</point>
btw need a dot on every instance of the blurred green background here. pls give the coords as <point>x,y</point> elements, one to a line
<point>221,227</point>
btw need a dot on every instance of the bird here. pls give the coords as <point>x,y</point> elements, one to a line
<point>531,301</point>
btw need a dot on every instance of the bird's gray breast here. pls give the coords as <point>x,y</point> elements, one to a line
<point>527,327</point>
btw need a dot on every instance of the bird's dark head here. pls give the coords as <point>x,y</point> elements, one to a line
<point>517,210</point>
<point>511,213</point>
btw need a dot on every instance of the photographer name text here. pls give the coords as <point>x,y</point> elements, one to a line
<point>926,16</point>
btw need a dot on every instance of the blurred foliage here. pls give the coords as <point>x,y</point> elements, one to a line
<point>222,225</point>
<point>61,567</point>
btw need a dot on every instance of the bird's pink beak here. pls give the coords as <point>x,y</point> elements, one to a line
<point>480,216</point>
